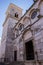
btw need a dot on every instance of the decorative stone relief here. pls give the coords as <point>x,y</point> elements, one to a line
<point>27,35</point>
<point>26,21</point>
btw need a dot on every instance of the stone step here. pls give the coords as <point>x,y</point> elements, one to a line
<point>17,63</point>
<point>13,63</point>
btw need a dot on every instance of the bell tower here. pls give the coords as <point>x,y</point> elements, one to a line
<point>13,14</point>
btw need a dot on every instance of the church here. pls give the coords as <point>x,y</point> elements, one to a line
<point>22,36</point>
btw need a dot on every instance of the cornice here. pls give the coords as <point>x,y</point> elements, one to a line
<point>28,29</point>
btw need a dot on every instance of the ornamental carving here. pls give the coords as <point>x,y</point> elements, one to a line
<point>26,21</point>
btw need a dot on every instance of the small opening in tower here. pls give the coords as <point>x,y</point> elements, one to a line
<point>16,15</point>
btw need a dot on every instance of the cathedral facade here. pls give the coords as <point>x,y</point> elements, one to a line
<point>22,37</point>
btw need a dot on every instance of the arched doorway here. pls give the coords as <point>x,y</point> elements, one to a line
<point>28,45</point>
<point>29,50</point>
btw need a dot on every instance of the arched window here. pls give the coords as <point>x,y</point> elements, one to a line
<point>34,13</point>
<point>16,15</point>
<point>21,26</point>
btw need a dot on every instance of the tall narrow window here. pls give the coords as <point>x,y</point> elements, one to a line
<point>15,55</point>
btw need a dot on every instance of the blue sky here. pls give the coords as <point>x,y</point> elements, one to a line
<point>24,4</point>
